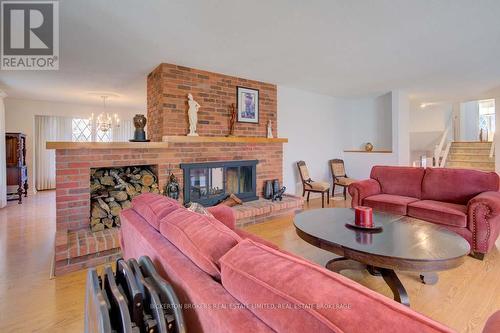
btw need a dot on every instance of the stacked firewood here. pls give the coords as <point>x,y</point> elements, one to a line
<point>112,189</point>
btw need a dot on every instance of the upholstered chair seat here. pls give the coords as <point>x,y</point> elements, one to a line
<point>318,186</point>
<point>344,181</point>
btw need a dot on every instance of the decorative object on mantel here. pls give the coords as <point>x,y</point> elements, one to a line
<point>104,121</point>
<point>232,119</point>
<point>248,105</point>
<point>139,124</point>
<point>193,115</point>
<point>269,129</point>
<point>231,200</point>
<point>368,146</point>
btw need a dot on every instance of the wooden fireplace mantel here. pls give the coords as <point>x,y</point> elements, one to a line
<point>167,140</point>
<point>103,145</point>
<point>201,139</point>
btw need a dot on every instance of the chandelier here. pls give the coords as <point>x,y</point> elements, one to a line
<point>105,121</point>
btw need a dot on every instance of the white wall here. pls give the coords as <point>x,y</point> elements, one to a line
<point>320,128</point>
<point>369,121</point>
<point>469,124</point>
<point>314,127</point>
<point>3,162</point>
<point>426,127</point>
<point>20,117</point>
<point>359,165</point>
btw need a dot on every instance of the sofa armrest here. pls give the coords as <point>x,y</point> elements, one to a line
<point>484,220</point>
<point>362,189</point>
<point>224,214</point>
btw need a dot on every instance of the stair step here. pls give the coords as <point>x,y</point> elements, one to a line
<point>472,168</point>
<point>470,150</point>
<point>470,157</point>
<point>471,164</point>
<point>478,144</point>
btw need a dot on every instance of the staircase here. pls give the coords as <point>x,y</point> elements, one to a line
<point>471,155</point>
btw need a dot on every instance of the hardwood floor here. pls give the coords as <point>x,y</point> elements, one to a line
<point>32,302</point>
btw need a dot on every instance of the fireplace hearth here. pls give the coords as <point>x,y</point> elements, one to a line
<point>210,182</point>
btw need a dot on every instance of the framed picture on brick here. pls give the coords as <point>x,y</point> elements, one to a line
<point>248,105</point>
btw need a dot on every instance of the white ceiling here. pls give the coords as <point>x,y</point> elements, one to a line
<point>435,49</point>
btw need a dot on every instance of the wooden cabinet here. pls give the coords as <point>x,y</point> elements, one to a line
<point>17,172</point>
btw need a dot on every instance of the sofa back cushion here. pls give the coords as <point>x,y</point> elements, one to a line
<point>396,180</point>
<point>302,297</point>
<point>201,238</point>
<point>153,207</point>
<point>457,185</point>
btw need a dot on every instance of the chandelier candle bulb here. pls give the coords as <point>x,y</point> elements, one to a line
<point>363,216</point>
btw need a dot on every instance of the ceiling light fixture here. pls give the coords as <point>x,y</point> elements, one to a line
<point>105,121</point>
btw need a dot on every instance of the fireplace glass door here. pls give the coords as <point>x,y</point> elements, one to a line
<point>209,183</point>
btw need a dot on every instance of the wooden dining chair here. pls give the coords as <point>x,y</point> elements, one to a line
<point>339,176</point>
<point>308,185</point>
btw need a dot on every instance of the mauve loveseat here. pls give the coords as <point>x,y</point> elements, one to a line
<point>230,281</point>
<point>464,201</point>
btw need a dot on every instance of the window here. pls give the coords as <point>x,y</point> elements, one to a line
<point>487,118</point>
<point>84,131</point>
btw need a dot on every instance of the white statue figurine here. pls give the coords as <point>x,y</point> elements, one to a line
<point>193,115</point>
<point>269,129</point>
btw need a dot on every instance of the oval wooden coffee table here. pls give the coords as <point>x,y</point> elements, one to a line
<point>404,244</point>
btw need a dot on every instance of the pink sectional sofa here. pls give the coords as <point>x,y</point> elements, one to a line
<point>464,201</point>
<point>230,281</point>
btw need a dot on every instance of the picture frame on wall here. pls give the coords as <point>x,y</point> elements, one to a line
<point>248,105</point>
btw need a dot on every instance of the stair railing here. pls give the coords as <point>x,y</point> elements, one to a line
<point>440,156</point>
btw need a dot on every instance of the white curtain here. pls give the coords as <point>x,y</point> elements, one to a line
<point>48,128</point>
<point>125,132</point>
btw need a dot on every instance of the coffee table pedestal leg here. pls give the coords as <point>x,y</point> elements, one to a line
<point>339,264</point>
<point>390,277</point>
<point>392,280</point>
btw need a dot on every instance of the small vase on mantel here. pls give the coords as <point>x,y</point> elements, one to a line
<point>139,133</point>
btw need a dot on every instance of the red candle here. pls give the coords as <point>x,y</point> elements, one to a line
<point>363,216</point>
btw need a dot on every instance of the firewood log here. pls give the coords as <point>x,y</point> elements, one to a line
<point>126,204</point>
<point>119,195</point>
<point>107,180</point>
<point>131,191</point>
<point>145,189</point>
<point>97,227</point>
<point>97,211</point>
<point>103,205</point>
<point>108,223</point>
<point>95,186</point>
<point>147,179</point>
<point>115,208</point>
<point>117,221</point>
<point>109,199</point>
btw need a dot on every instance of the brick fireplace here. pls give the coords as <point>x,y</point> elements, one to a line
<point>76,246</point>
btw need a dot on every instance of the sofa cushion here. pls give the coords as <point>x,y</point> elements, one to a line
<point>201,238</point>
<point>153,207</point>
<point>394,204</point>
<point>405,181</point>
<point>456,185</point>
<point>439,212</point>
<point>290,294</point>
